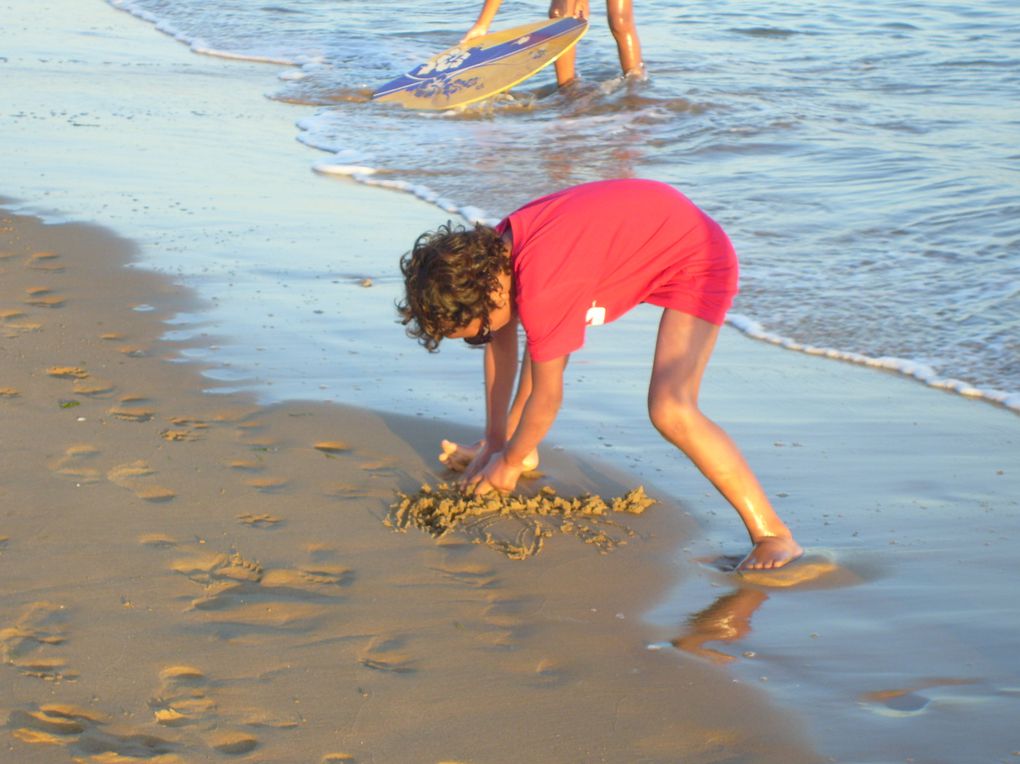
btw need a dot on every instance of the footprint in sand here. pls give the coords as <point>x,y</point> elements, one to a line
<point>67,372</point>
<point>509,614</point>
<point>85,734</point>
<point>263,444</point>
<point>260,520</point>
<point>8,392</point>
<point>184,429</point>
<point>240,598</point>
<point>178,436</point>
<point>134,351</point>
<point>42,297</point>
<point>45,261</point>
<point>157,541</point>
<point>13,323</point>
<point>182,698</point>
<point>93,388</point>
<point>347,491</point>
<point>134,476</point>
<point>232,742</point>
<point>381,464</point>
<point>75,464</point>
<point>546,674</point>
<point>132,408</point>
<point>185,699</point>
<point>331,447</point>
<point>503,624</point>
<point>27,644</point>
<point>473,576</point>
<point>322,580</point>
<point>386,654</point>
<point>268,483</point>
<point>908,701</point>
<point>247,465</point>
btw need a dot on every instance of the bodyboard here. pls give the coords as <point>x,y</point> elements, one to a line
<point>484,66</point>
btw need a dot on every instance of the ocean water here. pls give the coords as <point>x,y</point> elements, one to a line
<point>863,157</point>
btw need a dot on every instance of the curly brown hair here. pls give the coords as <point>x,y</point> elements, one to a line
<point>450,276</point>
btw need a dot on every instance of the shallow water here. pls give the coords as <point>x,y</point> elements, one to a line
<point>863,158</point>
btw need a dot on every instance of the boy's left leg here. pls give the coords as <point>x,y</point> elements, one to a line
<point>620,14</point>
<point>684,345</point>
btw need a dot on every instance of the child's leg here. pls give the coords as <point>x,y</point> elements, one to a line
<point>620,14</point>
<point>561,9</point>
<point>682,350</point>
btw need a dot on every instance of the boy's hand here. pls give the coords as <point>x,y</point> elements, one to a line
<point>498,475</point>
<point>478,30</point>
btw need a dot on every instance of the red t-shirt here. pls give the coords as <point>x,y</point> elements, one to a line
<point>586,255</point>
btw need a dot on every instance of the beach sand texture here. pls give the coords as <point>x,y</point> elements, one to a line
<point>188,577</point>
<point>195,577</point>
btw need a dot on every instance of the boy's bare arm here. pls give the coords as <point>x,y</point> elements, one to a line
<point>500,374</point>
<point>540,410</point>
<point>502,471</point>
<point>485,18</point>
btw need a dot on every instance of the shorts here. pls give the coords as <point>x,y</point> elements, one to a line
<point>704,284</point>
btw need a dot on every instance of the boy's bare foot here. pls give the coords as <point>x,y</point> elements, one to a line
<point>458,457</point>
<point>770,553</point>
<point>636,75</point>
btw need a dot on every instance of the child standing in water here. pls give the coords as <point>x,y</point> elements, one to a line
<point>620,14</point>
<point>583,257</point>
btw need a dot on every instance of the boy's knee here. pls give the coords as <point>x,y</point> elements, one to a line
<point>620,21</point>
<point>673,417</point>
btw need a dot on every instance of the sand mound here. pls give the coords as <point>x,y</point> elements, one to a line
<point>517,525</point>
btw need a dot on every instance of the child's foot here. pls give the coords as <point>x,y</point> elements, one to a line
<point>770,553</point>
<point>458,457</point>
<point>636,75</point>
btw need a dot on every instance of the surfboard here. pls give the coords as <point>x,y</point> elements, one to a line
<point>484,66</point>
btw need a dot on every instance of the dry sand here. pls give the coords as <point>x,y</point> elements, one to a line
<point>189,577</point>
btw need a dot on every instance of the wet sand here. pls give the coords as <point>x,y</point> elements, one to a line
<point>192,577</point>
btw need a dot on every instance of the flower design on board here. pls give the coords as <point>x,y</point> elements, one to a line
<point>444,86</point>
<point>444,62</point>
<point>522,40</point>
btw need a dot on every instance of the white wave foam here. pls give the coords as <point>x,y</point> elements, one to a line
<point>369,176</point>
<point>919,371</point>
<point>197,44</point>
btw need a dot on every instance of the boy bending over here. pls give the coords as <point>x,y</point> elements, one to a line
<point>582,257</point>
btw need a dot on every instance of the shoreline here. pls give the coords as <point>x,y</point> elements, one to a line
<point>413,209</point>
<point>471,214</point>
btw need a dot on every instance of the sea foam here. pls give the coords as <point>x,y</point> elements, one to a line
<point>913,369</point>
